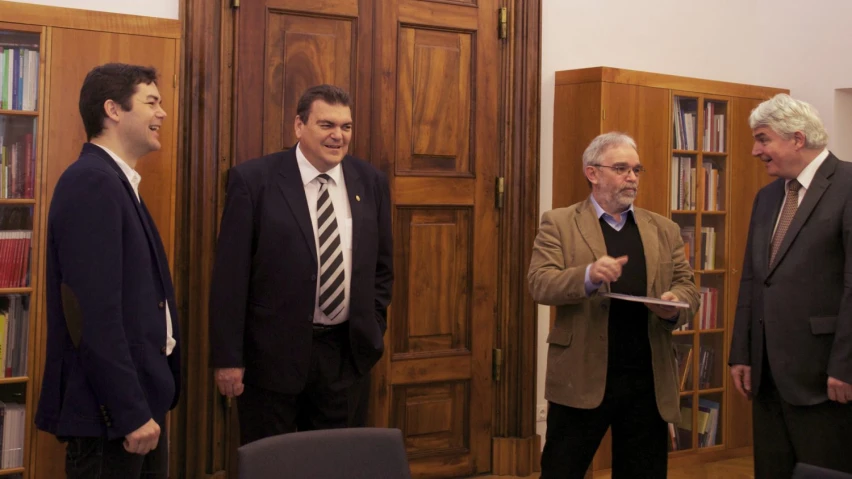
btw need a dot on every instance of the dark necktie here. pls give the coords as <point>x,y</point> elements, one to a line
<point>791,204</point>
<point>332,287</point>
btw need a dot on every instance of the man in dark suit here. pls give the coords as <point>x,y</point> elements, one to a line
<point>791,349</point>
<point>112,369</point>
<point>609,361</point>
<point>302,278</point>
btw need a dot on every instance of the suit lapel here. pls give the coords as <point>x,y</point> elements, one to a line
<point>821,182</point>
<point>290,183</point>
<point>355,192</point>
<point>590,228</point>
<point>651,245</point>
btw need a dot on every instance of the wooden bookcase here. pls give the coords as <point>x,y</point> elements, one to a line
<point>46,133</point>
<point>694,140</point>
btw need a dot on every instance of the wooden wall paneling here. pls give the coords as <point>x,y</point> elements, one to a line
<point>647,121</point>
<point>516,447</point>
<point>750,176</point>
<point>203,421</point>
<point>571,135</point>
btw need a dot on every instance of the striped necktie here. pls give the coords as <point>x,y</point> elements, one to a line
<point>332,275</point>
<point>791,204</point>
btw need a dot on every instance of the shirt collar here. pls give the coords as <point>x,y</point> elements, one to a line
<point>600,211</point>
<point>132,175</point>
<point>807,175</point>
<point>309,172</point>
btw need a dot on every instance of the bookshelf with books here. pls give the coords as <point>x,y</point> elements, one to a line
<point>21,56</point>
<point>695,144</point>
<point>45,53</point>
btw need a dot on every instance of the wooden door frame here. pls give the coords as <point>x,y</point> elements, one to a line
<point>206,151</point>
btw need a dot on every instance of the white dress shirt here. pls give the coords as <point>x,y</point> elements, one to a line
<point>343,213</point>
<point>805,178</point>
<point>135,178</point>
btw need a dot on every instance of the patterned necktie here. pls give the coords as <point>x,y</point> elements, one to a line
<point>791,204</point>
<point>332,290</point>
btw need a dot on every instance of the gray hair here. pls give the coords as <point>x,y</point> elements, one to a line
<point>786,115</point>
<point>603,143</point>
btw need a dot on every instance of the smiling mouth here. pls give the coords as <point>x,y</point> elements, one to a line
<point>154,128</point>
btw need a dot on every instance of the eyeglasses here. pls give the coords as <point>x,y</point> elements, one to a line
<point>622,170</point>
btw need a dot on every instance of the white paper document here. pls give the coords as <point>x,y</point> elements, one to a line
<point>646,299</point>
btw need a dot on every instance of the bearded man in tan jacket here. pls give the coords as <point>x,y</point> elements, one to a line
<point>610,362</point>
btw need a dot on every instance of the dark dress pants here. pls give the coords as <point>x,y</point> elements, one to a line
<point>333,396</point>
<point>99,458</point>
<point>639,434</point>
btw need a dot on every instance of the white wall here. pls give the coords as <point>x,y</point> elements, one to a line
<point>147,8</point>
<point>778,43</point>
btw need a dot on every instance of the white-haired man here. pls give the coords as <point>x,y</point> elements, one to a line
<point>609,362</point>
<point>792,343</point>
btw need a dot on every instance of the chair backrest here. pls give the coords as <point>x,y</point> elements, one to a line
<point>354,453</point>
<point>807,471</point>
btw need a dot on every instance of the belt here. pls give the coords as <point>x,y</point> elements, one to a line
<point>327,328</point>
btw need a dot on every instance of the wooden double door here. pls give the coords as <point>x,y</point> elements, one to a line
<point>424,79</point>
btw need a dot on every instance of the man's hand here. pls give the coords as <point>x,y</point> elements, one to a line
<point>606,269</point>
<point>839,391</point>
<point>742,379</point>
<point>665,312</point>
<point>143,440</point>
<point>230,381</point>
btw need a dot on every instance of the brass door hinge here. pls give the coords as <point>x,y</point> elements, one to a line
<point>500,192</point>
<point>497,364</point>
<point>235,3</point>
<point>503,22</point>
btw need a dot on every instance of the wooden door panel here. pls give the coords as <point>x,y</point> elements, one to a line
<point>433,309</point>
<point>430,417</point>
<point>434,102</point>
<point>301,52</point>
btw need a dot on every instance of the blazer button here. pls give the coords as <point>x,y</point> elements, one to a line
<point>313,277</point>
<point>161,304</point>
<point>604,306</point>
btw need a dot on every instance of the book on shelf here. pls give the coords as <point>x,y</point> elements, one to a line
<point>684,124</point>
<point>711,185</point>
<point>687,234</point>
<point>707,436</point>
<point>18,76</point>
<point>705,366</point>
<point>12,424</point>
<point>708,311</point>
<point>683,359</point>
<point>708,252</point>
<point>714,128</point>
<point>17,157</point>
<point>683,183</point>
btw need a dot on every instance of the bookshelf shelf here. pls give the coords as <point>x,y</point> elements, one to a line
<point>15,380</point>
<point>9,472</point>
<point>17,201</point>
<point>694,139</point>
<point>19,113</point>
<point>7,291</point>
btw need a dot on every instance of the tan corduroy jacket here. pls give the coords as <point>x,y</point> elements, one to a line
<point>570,239</point>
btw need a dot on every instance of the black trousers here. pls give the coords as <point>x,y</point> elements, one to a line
<point>334,396</point>
<point>639,434</point>
<point>99,458</point>
<point>784,434</point>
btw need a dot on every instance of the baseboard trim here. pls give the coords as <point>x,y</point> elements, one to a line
<point>515,456</point>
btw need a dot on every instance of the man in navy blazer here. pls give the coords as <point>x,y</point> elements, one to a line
<point>302,278</point>
<point>112,369</point>
<point>791,350</point>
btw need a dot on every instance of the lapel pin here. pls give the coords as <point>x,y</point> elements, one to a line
<point>357,198</point>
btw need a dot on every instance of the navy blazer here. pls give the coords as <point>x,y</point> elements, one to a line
<point>106,372</point>
<point>800,307</point>
<point>265,276</point>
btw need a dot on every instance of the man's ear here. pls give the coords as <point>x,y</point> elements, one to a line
<point>298,124</point>
<point>591,174</point>
<point>111,109</point>
<point>799,139</point>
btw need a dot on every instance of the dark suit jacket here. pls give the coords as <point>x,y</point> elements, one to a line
<point>265,275</point>
<point>803,303</point>
<point>106,372</point>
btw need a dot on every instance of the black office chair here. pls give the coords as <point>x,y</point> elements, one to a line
<point>807,471</point>
<point>355,453</point>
